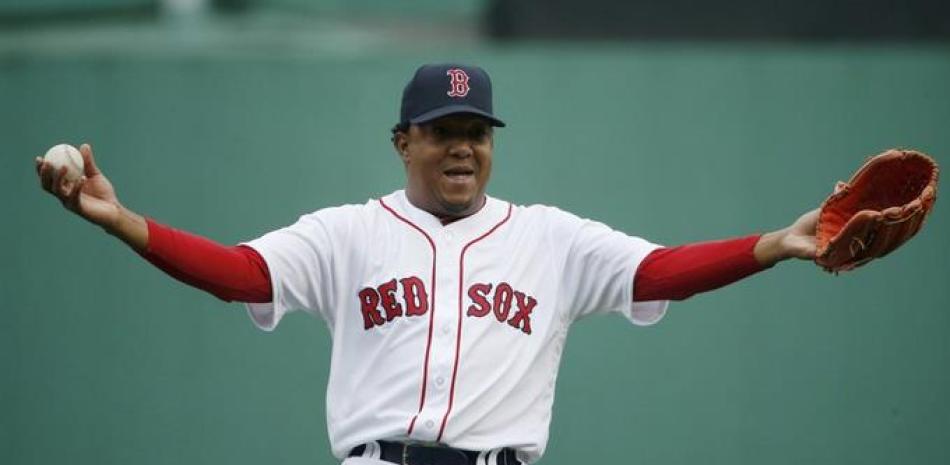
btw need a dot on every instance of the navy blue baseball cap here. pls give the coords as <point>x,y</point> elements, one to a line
<point>437,90</point>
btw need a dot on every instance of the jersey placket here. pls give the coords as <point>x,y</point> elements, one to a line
<point>445,344</point>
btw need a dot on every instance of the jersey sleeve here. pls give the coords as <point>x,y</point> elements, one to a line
<point>300,261</point>
<point>599,270</point>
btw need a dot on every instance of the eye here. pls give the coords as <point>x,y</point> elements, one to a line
<point>478,133</point>
<point>439,132</point>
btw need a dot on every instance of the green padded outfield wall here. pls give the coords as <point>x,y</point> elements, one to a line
<point>105,360</point>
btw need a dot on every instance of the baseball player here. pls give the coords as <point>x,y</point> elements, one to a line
<point>448,308</point>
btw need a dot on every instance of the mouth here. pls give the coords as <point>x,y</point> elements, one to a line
<point>459,174</point>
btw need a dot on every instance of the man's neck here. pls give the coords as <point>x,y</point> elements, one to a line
<point>447,219</point>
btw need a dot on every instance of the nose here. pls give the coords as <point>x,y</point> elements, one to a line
<point>460,149</point>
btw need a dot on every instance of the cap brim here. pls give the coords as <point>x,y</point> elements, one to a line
<point>456,109</point>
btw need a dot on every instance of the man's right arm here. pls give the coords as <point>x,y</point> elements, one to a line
<point>93,198</point>
<point>235,273</point>
<point>230,273</point>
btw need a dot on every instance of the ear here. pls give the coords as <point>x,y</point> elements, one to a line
<point>401,144</point>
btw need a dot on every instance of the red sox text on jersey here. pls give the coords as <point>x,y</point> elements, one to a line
<point>380,304</point>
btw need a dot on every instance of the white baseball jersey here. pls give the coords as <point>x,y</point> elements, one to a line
<point>449,333</point>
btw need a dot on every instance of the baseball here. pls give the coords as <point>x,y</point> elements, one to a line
<point>68,156</point>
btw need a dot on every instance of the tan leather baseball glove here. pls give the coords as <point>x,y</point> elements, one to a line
<point>883,206</point>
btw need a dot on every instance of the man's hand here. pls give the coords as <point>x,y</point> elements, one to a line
<point>795,241</point>
<point>93,198</point>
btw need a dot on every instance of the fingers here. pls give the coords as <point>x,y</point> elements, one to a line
<point>46,177</point>
<point>71,199</point>
<point>55,181</point>
<point>51,179</point>
<point>89,162</point>
<point>60,182</point>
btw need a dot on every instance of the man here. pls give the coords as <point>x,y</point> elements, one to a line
<point>448,308</point>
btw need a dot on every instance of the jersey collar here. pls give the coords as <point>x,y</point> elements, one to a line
<point>468,227</point>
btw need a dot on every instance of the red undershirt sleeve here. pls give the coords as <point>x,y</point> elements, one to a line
<point>230,273</point>
<point>679,272</point>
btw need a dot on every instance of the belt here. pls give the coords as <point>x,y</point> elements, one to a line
<point>424,454</point>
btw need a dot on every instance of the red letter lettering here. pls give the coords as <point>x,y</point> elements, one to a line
<point>368,300</point>
<point>480,306</point>
<point>414,293</point>
<point>387,293</point>
<point>502,301</point>
<point>522,319</point>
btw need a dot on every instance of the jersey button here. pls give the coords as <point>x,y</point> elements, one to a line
<point>446,329</point>
<point>440,381</point>
<point>430,424</point>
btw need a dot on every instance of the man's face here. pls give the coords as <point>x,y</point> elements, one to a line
<point>448,163</point>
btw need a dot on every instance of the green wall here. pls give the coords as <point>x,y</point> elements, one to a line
<point>426,8</point>
<point>105,360</point>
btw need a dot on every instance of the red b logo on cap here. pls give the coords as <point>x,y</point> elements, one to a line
<point>458,83</point>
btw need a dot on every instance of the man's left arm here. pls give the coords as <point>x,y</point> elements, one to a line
<point>679,272</point>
